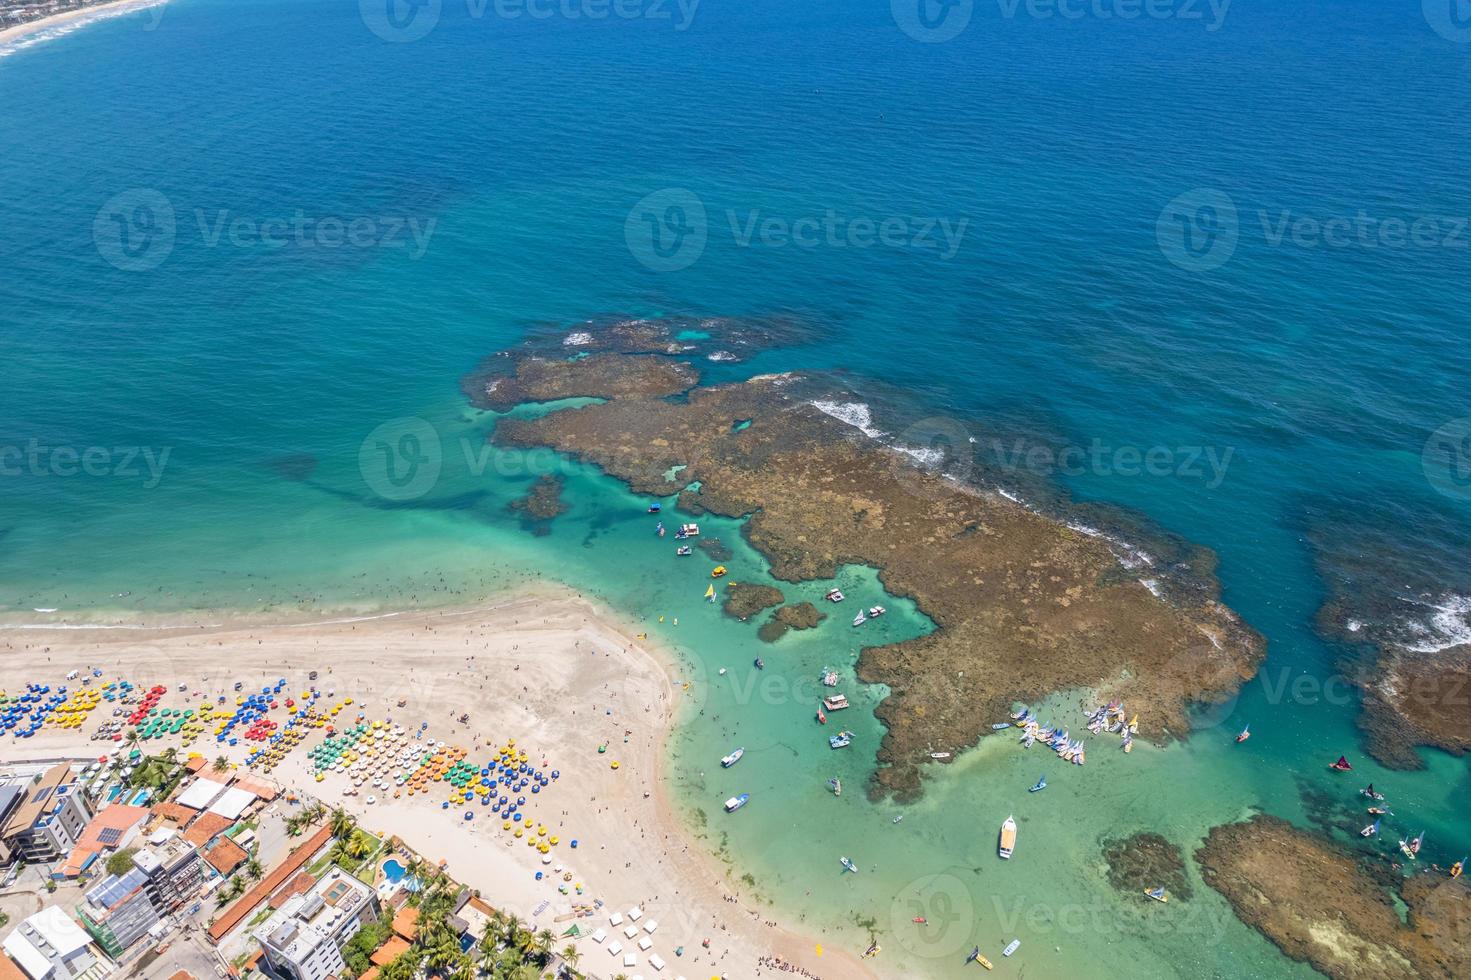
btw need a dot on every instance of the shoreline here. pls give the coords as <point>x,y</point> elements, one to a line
<point>541,620</point>
<point>111,7</point>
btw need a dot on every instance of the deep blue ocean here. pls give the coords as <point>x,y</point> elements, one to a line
<point>1210,265</point>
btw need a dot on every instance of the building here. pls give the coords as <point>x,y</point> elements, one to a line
<point>174,868</point>
<point>48,823</point>
<point>232,917</point>
<point>50,946</point>
<point>118,911</point>
<point>303,939</point>
<point>114,827</point>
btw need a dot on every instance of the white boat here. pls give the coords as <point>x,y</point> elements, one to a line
<point>874,612</point>
<point>690,530</point>
<point>848,865</point>
<point>860,619</point>
<point>1011,947</point>
<point>841,740</point>
<point>736,802</point>
<point>939,755</point>
<point>829,678</point>
<point>835,702</point>
<point>733,758</point>
<point>1008,840</point>
<point>834,595</point>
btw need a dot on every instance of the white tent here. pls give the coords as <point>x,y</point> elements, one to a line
<point>200,794</point>
<point>232,803</point>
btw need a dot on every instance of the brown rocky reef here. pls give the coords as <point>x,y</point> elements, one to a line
<point>1145,861</point>
<point>1024,605</point>
<point>744,599</point>
<point>1320,905</point>
<point>542,502</point>
<point>798,616</point>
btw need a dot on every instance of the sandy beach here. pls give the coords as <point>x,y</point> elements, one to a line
<point>113,9</point>
<point>549,669</point>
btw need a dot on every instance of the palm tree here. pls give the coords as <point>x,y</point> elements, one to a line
<point>170,755</point>
<point>404,966</point>
<point>253,868</point>
<point>132,736</point>
<point>543,944</point>
<point>221,763</point>
<point>343,823</point>
<point>570,956</point>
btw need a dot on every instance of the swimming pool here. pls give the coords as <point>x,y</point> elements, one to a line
<point>393,871</point>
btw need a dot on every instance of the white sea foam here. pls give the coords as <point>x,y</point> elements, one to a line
<point>1153,586</point>
<point>1448,625</point>
<point>722,355</point>
<point>925,457</point>
<point>856,414</point>
<point>579,339</point>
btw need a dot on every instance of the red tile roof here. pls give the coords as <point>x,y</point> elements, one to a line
<point>9,971</point>
<point>299,885</point>
<point>406,922</point>
<point>389,951</point>
<point>226,856</point>
<point>238,912</point>
<point>194,764</point>
<point>173,812</point>
<point>259,787</point>
<point>206,828</point>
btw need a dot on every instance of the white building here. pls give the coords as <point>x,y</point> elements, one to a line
<point>50,946</point>
<point>303,939</point>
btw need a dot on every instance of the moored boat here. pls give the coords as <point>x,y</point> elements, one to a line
<point>1007,843</point>
<point>683,551</point>
<point>1245,734</point>
<point>1158,894</point>
<point>1369,792</point>
<point>1370,831</point>
<point>718,571</point>
<point>689,530</point>
<point>759,663</point>
<point>829,677</point>
<point>998,726</point>
<point>710,594</point>
<point>1011,947</point>
<point>848,865</point>
<point>1341,765</point>
<point>841,740</point>
<point>834,595</point>
<point>733,758</point>
<point>655,508</point>
<point>1041,785</point>
<point>736,802</point>
<point>874,612</point>
<point>836,785</point>
<point>939,755</point>
<point>860,619</point>
<point>821,718</point>
<point>835,702</point>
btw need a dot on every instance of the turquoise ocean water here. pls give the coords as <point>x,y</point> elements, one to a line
<point>1243,244</point>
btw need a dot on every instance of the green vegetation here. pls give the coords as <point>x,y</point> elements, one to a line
<point>361,947</point>
<point>121,862</point>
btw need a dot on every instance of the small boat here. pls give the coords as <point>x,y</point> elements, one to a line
<point>939,755</point>
<point>736,802</point>
<point>829,678</point>
<point>1369,792</point>
<point>1000,725</point>
<point>1457,868</point>
<point>841,740</point>
<point>821,718</point>
<point>721,672</point>
<point>659,529</point>
<point>1411,847</point>
<point>1341,765</point>
<point>690,530</point>
<point>760,664</point>
<point>1380,811</point>
<point>1008,840</point>
<point>1245,734</point>
<point>1011,947</point>
<point>717,572</point>
<point>733,758</point>
<point>655,508</point>
<point>834,595</point>
<point>836,785</point>
<point>1370,831</point>
<point>835,702</point>
<point>683,551</point>
<point>860,619</point>
<point>874,612</point>
<point>1041,785</point>
<point>898,818</point>
<point>848,865</point>
<point>710,594</point>
<point>1158,894</point>
<point>873,950</point>
<point>919,920</point>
